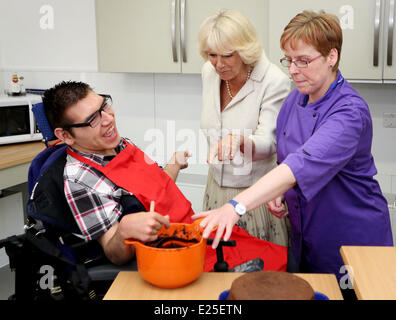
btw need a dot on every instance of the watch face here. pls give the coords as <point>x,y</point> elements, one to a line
<point>240,209</point>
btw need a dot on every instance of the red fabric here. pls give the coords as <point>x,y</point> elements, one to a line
<point>134,171</point>
<point>248,248</point>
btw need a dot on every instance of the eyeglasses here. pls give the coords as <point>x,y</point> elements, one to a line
<point>95,118</point>
<point>300,63</point>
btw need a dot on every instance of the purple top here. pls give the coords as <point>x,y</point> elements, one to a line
<point>327,145</point>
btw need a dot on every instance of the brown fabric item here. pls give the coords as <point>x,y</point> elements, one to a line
<point>270,285</point>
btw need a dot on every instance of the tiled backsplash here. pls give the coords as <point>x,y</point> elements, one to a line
<point>387,183</point>
<point>391,198</point>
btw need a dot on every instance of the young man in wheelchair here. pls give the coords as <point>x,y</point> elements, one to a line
<point>90,194</point>
<point>101,168</point>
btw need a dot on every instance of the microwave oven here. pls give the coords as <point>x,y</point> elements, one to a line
<point>17,122</point>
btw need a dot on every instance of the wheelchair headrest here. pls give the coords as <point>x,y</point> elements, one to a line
<point>43,160</point>
<point>47,201</point>
<point>42,122</point>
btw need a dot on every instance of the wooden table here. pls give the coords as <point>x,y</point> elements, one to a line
<point>129,285</point>
<point>15,161</point>
<point>373,271</point>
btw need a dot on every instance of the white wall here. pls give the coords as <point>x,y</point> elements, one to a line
<point>382,99</point>
<point>48,35</point>
<point>1,83</point>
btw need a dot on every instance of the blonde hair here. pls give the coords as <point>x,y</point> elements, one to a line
<point>228,31</point>
<point>321,30</point>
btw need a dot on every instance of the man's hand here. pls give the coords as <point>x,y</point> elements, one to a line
<point>180,158</point>
<point>176,163</point>
<point>143,226</point>
<point>224,218</point>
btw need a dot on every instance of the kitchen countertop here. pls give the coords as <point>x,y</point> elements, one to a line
<point>19,153</point>
<point>15,162</point>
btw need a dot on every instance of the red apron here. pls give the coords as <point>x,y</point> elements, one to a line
<point>135,172</point>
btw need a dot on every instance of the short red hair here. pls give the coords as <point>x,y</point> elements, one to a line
<point>321,30</point>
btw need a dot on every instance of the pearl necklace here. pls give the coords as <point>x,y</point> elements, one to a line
<point>228,85</point>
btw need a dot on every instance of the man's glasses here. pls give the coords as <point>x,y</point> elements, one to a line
<point>300,63</point>
<point>95,118</point>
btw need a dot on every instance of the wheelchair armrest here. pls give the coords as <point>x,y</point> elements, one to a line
<point>109,271</point>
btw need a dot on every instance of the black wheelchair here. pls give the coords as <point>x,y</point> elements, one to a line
<point>50,259</point>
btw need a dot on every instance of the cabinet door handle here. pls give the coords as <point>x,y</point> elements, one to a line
<point>173,30</point>
<point>376,31</point>
<point>182,29</point>
<point>390,31</point>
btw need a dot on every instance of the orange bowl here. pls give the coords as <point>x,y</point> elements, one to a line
<point>172,267</point>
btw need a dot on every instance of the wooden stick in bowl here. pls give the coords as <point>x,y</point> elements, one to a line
<point>152,205</point>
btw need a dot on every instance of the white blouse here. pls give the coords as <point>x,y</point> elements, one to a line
<point>251,113</point>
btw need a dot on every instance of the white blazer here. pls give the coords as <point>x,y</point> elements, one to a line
<point>252,113</point>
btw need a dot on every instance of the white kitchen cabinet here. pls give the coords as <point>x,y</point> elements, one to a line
<point>194,193</point>
<point>161,35</point>
<point>11,219</point>
<point>389,42</point>
<point>365,25</point>
<point>135,36</point>
<point>49,35</point>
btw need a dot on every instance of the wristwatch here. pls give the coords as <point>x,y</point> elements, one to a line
<point>240,208</point>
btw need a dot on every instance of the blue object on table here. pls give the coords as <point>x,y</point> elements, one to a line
<point>224,295</point>
<point>320,296</point>
<point>317,295</point>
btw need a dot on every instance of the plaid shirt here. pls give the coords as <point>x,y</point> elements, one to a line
<point>93,199</point>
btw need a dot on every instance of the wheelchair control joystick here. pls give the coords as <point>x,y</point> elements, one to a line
<point>221,265</point>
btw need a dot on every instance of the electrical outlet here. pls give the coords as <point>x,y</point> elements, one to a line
<point>389,120</point>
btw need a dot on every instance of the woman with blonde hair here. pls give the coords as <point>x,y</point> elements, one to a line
<point>324,137</point>
<point>242,94</point>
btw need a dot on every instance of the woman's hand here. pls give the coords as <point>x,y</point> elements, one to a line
<point>277,207</point>
<point>224,218</point>
<point>226,148</point>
